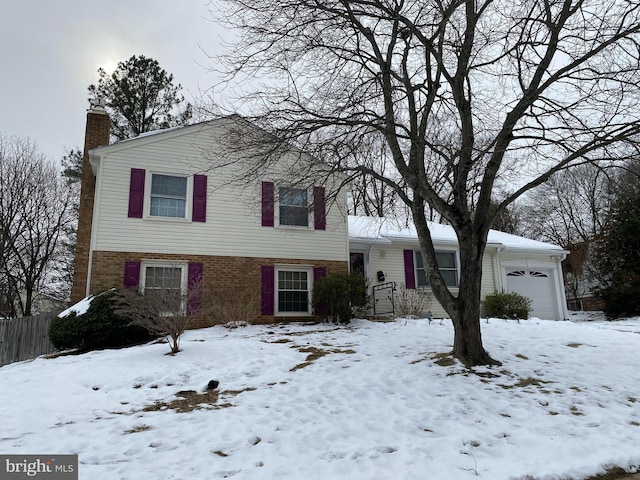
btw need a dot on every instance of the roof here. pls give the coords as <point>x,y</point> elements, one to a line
<point>388,230</point>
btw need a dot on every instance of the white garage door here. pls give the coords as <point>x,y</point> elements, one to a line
<point>538,286</point>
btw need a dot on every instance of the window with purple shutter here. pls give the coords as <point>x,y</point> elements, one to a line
<point>194,284</point>
<point>131,274</point>
<point>268,290</point>
<point>267,204</point>
<point>409,271</point>
<point>199,211</point>
<point>319,209</point>
<point>136,193</point>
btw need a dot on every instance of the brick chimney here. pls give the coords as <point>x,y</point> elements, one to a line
<point>96,135</point>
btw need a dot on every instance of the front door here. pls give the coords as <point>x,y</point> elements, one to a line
<point>356,262</point>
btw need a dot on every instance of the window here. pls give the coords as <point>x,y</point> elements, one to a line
<point>168,196</point>
<point>447,264</point>
<point>166,282</point>
<point>294,206</point>
<point>293,291</point>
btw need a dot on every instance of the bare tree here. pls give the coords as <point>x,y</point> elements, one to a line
<point>164,311</point>
<point>571,207</point>
<point>470,97</point>
<point>34,211</point>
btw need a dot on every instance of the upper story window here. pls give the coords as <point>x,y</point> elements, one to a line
<point>447,264</point>
<point>168,196</point>
<point>293,206</point>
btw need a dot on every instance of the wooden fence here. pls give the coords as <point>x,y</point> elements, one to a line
<point>25,338</point>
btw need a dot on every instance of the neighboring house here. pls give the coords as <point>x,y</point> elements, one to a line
<point>387,252</point>
<point>579,285</point>
<point>154,214</point>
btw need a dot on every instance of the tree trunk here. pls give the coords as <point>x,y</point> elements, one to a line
<point>465,311</point>
<point>467,342</point>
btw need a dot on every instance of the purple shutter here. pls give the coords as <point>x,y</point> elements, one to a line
<point>268,282</point>
<point>267,204</point>
<point>319,214</point>
<point>136,193</point>
<point>318,273</point>
<point>194,284</point>
<point>131,274</point>
<point>409,272</point>
<point>199,212</point>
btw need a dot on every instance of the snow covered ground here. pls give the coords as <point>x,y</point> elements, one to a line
<point>367,401</point>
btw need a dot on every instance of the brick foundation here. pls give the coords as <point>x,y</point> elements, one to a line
<point>219,275</point>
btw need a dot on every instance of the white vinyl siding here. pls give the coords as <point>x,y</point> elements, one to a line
<point>233,226</point>
<point>390,260</point>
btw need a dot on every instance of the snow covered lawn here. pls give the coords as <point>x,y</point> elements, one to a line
<point>368,401</point>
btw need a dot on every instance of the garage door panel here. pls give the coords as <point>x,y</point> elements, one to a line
<point>538,286</point>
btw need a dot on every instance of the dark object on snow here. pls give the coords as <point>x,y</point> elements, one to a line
<point>213,384</point>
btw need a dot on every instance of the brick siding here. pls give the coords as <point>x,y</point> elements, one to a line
<point>219,275</point>
<point>96,135</point>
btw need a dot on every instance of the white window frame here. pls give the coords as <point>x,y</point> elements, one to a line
<point>183,266</point>
<point>188,199</point>
<point>309,224</point>
<point>456,258</point>
<point>293,268</point>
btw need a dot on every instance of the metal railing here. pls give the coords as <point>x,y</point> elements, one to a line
<point>383,298</point>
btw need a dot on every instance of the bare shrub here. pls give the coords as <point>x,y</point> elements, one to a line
<point>412,302</point>
<point>165,312</point>
<point>234,306</point>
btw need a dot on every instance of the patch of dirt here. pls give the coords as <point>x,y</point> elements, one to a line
<point>576,411</point>
<point>315,353</point>
<point>527,382</point>
<point>190,400</point>
<point>300,334</point>
<point>615,473</point>
<point>139,428</point>
<point>443,359</point>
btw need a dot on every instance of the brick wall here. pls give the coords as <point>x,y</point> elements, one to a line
<point>219,274</point>
<point>96,135</point>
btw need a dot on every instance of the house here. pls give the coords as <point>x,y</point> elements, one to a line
<point>154,214</point>
<point>389,252</point>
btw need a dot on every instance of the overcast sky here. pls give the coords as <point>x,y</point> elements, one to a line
<point>51,51</point>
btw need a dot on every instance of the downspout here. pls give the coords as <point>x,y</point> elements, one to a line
<point>563,295</point>
<point>497,276</point>
<point>94,224</point>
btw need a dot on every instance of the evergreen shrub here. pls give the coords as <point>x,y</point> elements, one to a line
<point>98,327</point>
<point>506,305</point>
<point>337,295</point>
